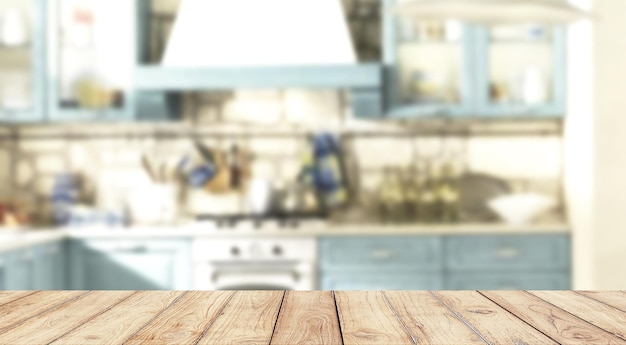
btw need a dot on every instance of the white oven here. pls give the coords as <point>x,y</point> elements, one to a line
<point>254,263</point>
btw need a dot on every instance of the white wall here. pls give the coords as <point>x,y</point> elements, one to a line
<point>609,128</point>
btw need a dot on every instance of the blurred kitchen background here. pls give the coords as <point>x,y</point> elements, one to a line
<point>313,144</point>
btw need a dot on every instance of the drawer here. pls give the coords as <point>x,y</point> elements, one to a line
<point>504,252</point>
<point>381,253</point>
<point>340,281</point>
<point>509,281</point>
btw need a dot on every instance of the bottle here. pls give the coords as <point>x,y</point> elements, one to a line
<point>389,195</point>
<point>411,194</point>
<point>428,196</point>
<point>448,194</point>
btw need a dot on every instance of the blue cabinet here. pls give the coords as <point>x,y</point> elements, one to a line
<point>19,270</point>
<point>449,69</point>
<point>23,69</point>
<point>130,265</point>
<point>49,266</point>
<point>377,262</point>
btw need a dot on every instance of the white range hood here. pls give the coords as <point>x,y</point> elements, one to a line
<point>255,33</point>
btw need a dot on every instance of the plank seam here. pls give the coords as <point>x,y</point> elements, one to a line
<point>19,298</point>
<point>576,316</point>
<point>53,308</point>
<point>395,314</point>
<point>154,318</point>
<point>339,323</point>
<point>93,317</point>
<point>597,300</point>
<point>524,321</point>
<point>217,316</point>
<point>280,308</point>
<point>460,318</point>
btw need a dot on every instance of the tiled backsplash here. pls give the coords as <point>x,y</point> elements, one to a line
<point>109,155</point>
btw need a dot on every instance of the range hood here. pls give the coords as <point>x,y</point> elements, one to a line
<point>260,44</point>
<point>228,33</point>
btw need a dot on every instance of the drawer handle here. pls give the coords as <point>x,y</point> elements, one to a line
<point>508,252</point>
<point>382,254</point>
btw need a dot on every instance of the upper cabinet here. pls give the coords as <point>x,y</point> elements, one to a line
<point>22,60</point>
<point>90,55</point>
<point>446,68</point>
<point>521,71</point>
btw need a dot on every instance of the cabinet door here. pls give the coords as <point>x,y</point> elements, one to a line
<point>521,71</point>
<point>22,61</point>
<point>49,267</point>
<point>509,281</point>
<point>3,272</point>
<point>380,281</point>
<point>19,271</point>
<point>428,66</point>
<point>131,265</point>
<point>91,53</point>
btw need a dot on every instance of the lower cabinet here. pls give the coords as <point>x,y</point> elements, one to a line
<point>49,266</point>
<point>19,273</point>
<point>368,281</point>
<point>130,265</point>
<point>508,281</point>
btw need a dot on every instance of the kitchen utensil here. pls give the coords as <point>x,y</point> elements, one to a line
<point>220,183</point>
<point>521,208</point>
<point>475,190</point>
<point>149,168</point>
<point>207,154</point>
<point>201,175</point>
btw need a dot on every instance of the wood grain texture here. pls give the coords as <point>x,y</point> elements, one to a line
<point>51,325</point>
<point>307,317</point>
<point>616,299</point>
<point>549,319</point>
<point>428,320</point>
<point>494,324</point>
<point>185,321</point>
<point>115,326</point>
<point>366,318</point>
<point>10,296</point>
<point>248,318</point>
<point>597,313</point>
<point>16,312</point>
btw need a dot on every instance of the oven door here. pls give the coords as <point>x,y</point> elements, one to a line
<point>254,276</point>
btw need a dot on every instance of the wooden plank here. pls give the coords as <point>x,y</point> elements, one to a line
<point>549,319</point>
<point>494,324</point>
<point>428,320</point>
<point>248,318</point>
<point>123,320</point>
<point>366,318</point>
<point>11,314</point>
<point>307,317</point>
<point>616,299</point>
<point>50,326</point>
<point>185,321</point>
<point>10,296</point>
<point>597,313</point>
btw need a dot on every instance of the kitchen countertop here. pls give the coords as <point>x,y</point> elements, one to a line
<point>16,240</point>
<point>313,317</point>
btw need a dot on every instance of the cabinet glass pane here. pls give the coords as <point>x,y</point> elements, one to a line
<point>429,62</point>
<point>94,53</point>
<point>16,67</point>
<point>520,64</point>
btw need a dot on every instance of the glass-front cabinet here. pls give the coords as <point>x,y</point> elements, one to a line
<point>447,68</point>
<point>521,70</point>
<point>22,60</point>
<point>91,56</point>
<point>428,67</point>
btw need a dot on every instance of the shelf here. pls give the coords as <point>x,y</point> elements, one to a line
<point>157,78</point>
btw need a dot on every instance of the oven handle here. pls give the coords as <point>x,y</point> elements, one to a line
<point>293,273</point>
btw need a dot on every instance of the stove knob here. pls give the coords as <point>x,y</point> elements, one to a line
<point>278,251</point>
<point>235,251</point>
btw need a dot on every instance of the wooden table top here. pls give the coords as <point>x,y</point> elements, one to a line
<point>312,317</point>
